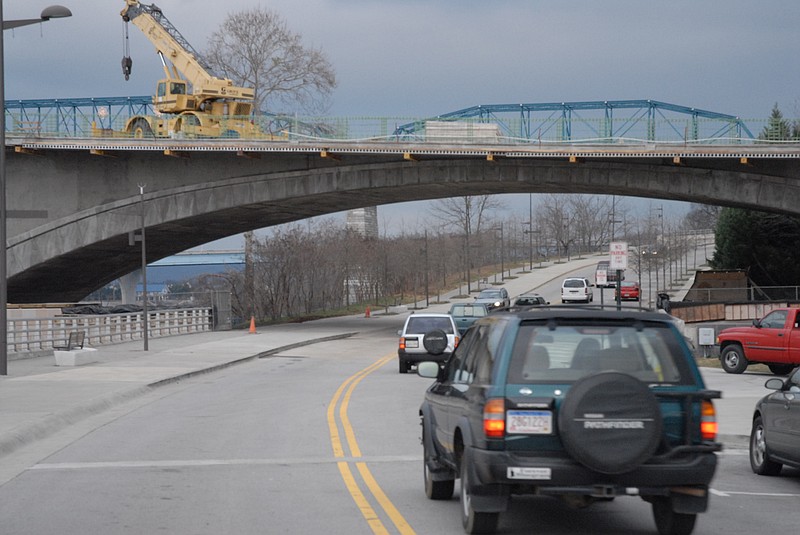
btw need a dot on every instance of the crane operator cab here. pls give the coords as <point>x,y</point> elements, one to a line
<point>171,96</point>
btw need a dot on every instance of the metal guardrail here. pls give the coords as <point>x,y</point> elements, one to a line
<point>26,336</point>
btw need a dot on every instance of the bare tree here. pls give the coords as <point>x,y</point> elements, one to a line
<point>467,214</point>
<point>255,48</point>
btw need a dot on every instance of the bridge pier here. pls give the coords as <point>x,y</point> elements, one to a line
<point>127,285</point>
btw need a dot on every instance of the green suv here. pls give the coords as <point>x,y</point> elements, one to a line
<point>581,404</point>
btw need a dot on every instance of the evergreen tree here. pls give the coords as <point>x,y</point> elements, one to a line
<point>777,128</point>
<point>761,243</point>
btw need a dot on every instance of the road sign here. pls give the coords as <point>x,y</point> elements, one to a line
<point>601,277</point>
<point>619,255</point>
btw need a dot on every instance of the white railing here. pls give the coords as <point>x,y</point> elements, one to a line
<point>40,335</point>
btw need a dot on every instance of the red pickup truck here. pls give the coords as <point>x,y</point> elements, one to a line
<point>773,340</point>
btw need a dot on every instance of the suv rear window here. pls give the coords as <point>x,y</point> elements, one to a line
<point>567,351</point>
<point>574,283</point>
<point>423,325</point>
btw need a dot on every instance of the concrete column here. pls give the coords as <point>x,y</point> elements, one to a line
<point>127,285</point>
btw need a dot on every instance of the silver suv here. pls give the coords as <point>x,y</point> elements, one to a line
<point>494,298</point>
<point>426,336</point>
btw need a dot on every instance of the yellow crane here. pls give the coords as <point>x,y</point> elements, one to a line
<point>190,101</point>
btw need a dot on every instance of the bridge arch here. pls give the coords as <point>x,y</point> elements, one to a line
<point>84,241</point>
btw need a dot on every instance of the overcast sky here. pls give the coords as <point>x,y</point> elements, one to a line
<point>420,58</point>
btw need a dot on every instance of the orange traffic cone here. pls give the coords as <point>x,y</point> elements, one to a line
<point>366,314</point>
<point>252,325</point>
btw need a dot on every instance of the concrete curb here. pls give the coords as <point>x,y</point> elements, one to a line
<point>26,434</point>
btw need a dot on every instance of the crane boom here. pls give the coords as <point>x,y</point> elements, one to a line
<point>201,103</point>
<point>183,58</point>
<point>195,68</point>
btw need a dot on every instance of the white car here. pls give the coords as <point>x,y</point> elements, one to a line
<point>426,336</point>
<point>576,289</point>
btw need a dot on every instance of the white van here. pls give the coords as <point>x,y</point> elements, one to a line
<point>576,289</point>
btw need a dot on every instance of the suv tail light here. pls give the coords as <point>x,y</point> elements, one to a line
<point>402,343</point>
<point>494,418</point>
<point>708,421</point>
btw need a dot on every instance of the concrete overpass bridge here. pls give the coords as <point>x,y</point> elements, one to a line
<point>73,200</point>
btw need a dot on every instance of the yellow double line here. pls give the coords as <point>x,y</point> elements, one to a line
<point>344,393</point>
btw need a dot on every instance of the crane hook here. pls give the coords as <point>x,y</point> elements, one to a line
<point>127,63</point>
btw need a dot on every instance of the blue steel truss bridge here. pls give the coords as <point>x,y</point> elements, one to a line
<point>608,121</point>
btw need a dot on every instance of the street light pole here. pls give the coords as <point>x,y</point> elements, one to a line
<point>530,230</point>
<point>145,314</point>
<point>663,247</point>
<point>502,254</point>
<point>52,12</point>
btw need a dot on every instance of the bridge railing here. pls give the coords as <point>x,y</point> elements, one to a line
<point>474,130</point>
<point>38,336</point>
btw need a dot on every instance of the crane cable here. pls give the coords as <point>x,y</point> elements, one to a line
<point>127,62</point>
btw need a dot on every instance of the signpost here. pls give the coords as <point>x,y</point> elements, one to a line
<point>600,280</point>
<point>619,261</point>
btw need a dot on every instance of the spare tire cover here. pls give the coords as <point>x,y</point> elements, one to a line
<point>610,422</point>
<point>435,342</point>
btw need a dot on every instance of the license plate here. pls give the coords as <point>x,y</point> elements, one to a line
<point>529,422</point>
<point>529,473</point>
<point>412,342</point>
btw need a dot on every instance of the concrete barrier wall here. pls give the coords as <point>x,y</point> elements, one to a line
<point>31,337</point>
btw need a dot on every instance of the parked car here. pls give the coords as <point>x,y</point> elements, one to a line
<point>426,336</point>
<point>773,340</point>
<point>465,314</point>
<point>628,290</point>
<point>584,405</point>
<point>494,298</point>
<point>526,301</point>
<point>576,289</point>
<point>774,438</point>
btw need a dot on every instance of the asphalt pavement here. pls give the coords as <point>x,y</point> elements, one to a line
<point>38,398</point>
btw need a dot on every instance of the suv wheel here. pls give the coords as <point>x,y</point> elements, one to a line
<point>627,417</point>
<point>435,342</point>
<point>403,366</point>
<point>473,521</point>
<point>759,461</point>
<point>733,359</point>
<point>434,490</point>
<point>669,522</point>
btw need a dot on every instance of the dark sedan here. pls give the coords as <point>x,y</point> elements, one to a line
<point>527,301</point>
<point>775,437</point>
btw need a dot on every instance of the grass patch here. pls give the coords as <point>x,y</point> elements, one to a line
<point>713,362</point>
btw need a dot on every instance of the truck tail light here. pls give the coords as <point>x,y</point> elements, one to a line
<point>708,421</point>
<point>494,418</point>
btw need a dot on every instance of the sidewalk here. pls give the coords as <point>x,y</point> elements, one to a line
<point>38,398</point>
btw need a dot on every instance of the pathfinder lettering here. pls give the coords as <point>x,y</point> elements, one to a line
<point>613,425</point>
